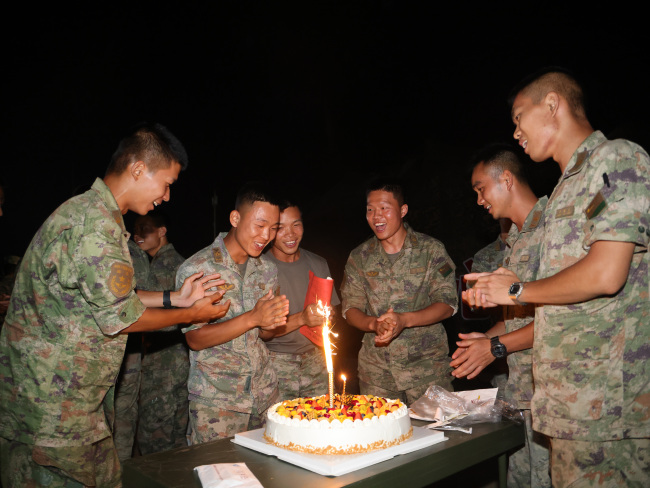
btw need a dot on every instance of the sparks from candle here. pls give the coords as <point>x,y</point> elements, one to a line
<point>324,310</point>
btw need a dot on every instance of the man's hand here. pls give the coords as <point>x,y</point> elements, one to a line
<point>271,311</point>
<point>472,356</point>
<point>388,327</point>
<point>205,309</point>
<point>311,317</point>
<point>490,289</point>
<point>4,303</point>
<point>195,287</point>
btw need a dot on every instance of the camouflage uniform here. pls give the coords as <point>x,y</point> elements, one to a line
<point>490,257</point>
<point>298,363</point>
<point>421,275</point>
<point>60,350</point>
<point>527,466</point>
<point>590,358</point>
<point>163,403</point>
<point>127,386</point>
<point>231,385</point>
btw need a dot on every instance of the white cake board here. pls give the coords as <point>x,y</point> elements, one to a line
<point>337,465</point>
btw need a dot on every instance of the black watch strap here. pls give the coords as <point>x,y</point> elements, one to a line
<point>167,301</point>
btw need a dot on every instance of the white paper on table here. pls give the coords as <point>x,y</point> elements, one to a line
<point>225,475</point>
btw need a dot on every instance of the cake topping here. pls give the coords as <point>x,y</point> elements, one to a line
<point>353,407</point>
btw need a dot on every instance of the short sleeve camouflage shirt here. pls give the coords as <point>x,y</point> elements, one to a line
<point>522,257</point>
<point>60,350</point>
<point>236,375</point>
<point>591,358</point>
<point>421,275</point>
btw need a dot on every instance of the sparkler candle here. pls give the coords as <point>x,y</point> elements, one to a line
<point>327,346</point>
<point>343,394</point>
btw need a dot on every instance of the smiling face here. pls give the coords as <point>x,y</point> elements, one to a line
<point>384,214</point>
<point>534,127</point>
<point>286,246</point>
<point>492,194</point>
<point>147,236</point>
<point>152,188</point>
<point>254,226</point>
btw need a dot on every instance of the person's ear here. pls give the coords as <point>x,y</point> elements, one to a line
<point>552,102</point>
<point>137,169</point>
<point>234,218</point>
<point>162,231</point>
<point>404,209</point>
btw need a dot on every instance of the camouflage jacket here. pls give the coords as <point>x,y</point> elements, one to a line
<point>591,358</point>
<point>522,257</point>
<point>490,257</point>
<point>237,375</point>
<point>60,350</point>
<point>423,274</point>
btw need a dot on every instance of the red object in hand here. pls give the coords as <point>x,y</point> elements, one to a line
<point>318,289</point>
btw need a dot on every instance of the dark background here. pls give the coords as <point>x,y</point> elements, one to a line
<point>316,96</point>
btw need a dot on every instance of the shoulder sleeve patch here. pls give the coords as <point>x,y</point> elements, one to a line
<point>120,279</point>
<point>445,269</point>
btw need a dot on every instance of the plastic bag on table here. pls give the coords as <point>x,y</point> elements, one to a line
<point>462,408</point>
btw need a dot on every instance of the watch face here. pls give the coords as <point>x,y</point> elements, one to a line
<point>498,350</point>
<point>515,288</point>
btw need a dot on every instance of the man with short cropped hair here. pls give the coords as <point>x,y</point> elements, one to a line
<point>502,190</point>
<point>298,363</point>
<point>73,302</point>
<point>232,381</point>
<point>398,287</point>
<point>591,355</point>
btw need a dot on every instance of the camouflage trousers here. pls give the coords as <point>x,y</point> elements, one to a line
<point>70,467</point>
<point>163,405</point>
<point>209,423</point>
<point>405,396</point>
<point>127,389</point>
<point>529,465</point>
<point>609,463</point>
<point>300,375</point>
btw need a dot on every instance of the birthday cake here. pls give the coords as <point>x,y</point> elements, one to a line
<point>361,423</point>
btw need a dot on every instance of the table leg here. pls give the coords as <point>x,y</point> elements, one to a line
<point>503,470</point>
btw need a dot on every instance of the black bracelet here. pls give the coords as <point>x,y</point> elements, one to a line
<point>167,301</point>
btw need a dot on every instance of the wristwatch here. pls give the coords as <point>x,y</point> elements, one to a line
<point>514,291</point>
<point>497,349</point>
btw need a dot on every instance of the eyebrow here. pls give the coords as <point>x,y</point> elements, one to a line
<point>476,184</point>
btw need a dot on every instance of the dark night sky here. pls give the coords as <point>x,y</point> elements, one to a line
<point>319,96</point>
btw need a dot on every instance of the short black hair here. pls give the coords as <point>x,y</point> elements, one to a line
<point>389,184</point>
<point>157,217</point>
<point>552,78</point>
<point>152,143</point>
<point>498,157</point>
<point>258,191</point>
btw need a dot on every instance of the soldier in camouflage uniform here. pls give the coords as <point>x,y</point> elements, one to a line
<point>591,350</point>
<point>398,287</point>
<point>63,339</point>
<point>502,189</point>
<point>151,392</point>
<point>232,381</point>
<point>163,411</point>
<point>488,259</point>
<point>298,363</point>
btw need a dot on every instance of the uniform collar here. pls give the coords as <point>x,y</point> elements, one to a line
<point>111,204</point>
<point>581,155</point>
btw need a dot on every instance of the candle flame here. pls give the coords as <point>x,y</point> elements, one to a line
<point>343,377</point>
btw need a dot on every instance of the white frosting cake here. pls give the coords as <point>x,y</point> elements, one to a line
<point>389,427</point>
